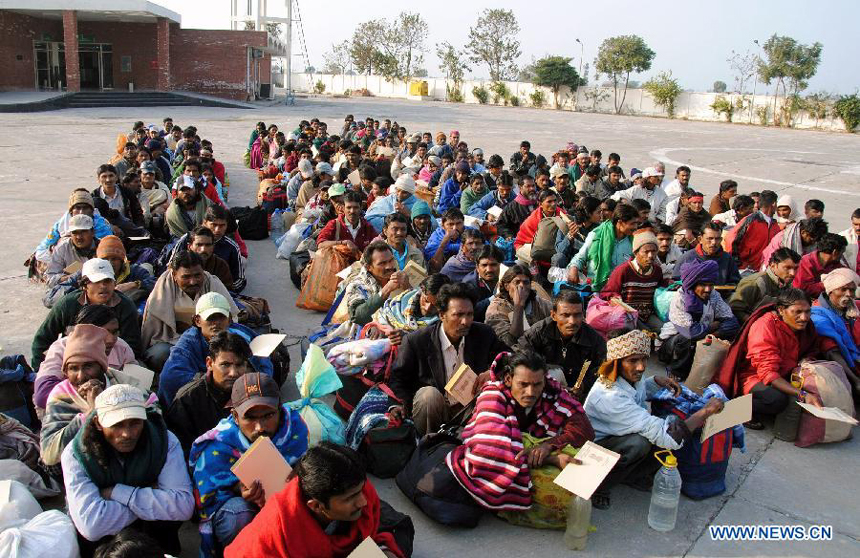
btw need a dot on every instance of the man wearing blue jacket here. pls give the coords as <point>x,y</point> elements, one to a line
<point>188,356</point>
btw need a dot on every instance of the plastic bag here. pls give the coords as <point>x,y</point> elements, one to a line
<point>290,240</point>
<point>604,317</point>
<point>710,353</point>
<point>50,533</point>
<point>663,297</point>
<point>827,380</point>
<point>12,469</point>
<point>17,505</point>
<point>317,378</point>
<point>318,292</point>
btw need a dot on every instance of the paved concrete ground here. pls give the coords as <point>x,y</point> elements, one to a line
<point>44,156</point>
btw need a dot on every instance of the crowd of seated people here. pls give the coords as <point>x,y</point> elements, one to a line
<point>445,261</point>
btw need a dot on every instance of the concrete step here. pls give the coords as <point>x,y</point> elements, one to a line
<point>104,99</point>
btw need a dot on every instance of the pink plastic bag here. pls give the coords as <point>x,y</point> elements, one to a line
<point>604,317</point>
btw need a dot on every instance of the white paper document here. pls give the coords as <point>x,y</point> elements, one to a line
<point>735,412</point>
<point>584,479</point>
<point>829,413</point>
<point>264,345</point>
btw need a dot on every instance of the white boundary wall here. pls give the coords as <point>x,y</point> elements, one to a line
<point>689,105</point>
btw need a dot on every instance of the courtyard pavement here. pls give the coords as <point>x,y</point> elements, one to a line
<point>43,156</point>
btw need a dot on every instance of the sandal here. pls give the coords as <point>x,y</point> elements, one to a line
<point>600,500</point>
<point>754,425</point>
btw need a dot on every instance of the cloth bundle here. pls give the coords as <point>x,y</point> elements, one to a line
<point>353,356</point>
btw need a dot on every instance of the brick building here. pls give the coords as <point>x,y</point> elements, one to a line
<point>127,44</point>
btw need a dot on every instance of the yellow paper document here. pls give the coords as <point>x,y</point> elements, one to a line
<point>461,386</point>
<point>263,462</point>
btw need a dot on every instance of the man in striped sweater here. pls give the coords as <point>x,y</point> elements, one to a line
<point>635,281</point>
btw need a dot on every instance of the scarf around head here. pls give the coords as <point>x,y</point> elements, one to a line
<point>139,469</point>
<point>600,253</point>
<point>692,274</point>
<point>178,220</point>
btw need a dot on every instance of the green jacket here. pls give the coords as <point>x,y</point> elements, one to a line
<point>751,292</point>
<point>63,314</point>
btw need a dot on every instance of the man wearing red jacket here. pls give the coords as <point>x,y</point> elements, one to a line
<point>327,508</point>
<point>746,242</point>
<point>350,228</point>
<point>825,259</point>
<point>547,207</point>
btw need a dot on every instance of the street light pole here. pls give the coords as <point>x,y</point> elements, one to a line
<point>755,84</point>
<point>581,50</point>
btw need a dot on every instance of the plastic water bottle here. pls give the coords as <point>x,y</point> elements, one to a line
<point>665,494</point>
<point>578,522</point>
<point>277,228</point>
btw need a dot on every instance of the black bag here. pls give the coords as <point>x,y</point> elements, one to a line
<point>399,525</point>
<point>298,262</point>
<point>387,449</point>
<point>253,222</point>
<point>430,484</point>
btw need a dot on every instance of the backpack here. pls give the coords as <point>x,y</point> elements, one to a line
<point>543,245</point>
<point>253,222</point>
<point>16,390</point>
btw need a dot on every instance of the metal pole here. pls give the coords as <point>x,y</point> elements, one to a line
<point>289,69</point>
<point>581,51</point>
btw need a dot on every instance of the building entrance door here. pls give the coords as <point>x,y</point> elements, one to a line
<point>96,65</point>
<point>50,60</point>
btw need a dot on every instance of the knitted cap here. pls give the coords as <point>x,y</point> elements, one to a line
<point>81,196</point>
<point>635,342</point>
<point>86,344</point>
<point>110,247</point>
<point>643,238</point>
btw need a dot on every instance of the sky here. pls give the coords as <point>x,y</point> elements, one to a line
<point>692,38</point>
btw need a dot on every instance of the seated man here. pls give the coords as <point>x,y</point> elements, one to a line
<point>668,253</point>
<point>226,505</point>
<point>410,310</point>
<point>328,508</point>
<point>201,241</point>
<point>375,281</point>
<point>85,373</point>
<point>97,286</point>
<point>605,248</point>
<point>394,234</point>
<point>444,242</point>
<point>401,199</point>
<point>475,191</point>
<point>524,420</point>
<point>423,223</point>
<point>463,263</point>
<point>763,287</point>
<point>51,371</point>
<point>517,211</point>
<point>350,228</point>
<point>189,356</point>
<point>118,198</point>
<point>814,265</point>
<point>835,316</point>
<point>124,467</point>
<point>692,217</point>
<point>696,311</point>
<point>80,202</point>
<point>802,237</point>
<point>77,248</point>
<point>170,307</point>
<point>548,207</point>
<point>590,184</point>
<point>216,219</point>
<point>748,240</point>
<point>635,281</point>
<point>741,207</point>
<point>516,306</point>
<point>650,191</point>
<point>429,357</point>
<point>200,404</point>
<point>188,208</point>
<point>567,343</point>
<point>485,277</point>
<point>500,197</point>
<point>709,249</point>
<point>621,421</point>
<point>772,343</point>
<point>452,189</point>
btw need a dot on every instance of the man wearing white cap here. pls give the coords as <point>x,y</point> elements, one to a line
<point>649,191</point>
<point>124,467</point>
<point>400,199</point>
<point>322,173</point>
<point>98,286</point>
<point>835,315</point>
<point>304,171</point>
<point>79,247</point>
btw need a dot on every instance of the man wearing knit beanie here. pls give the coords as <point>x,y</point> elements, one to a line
<point>80,202</point>
<point>71,253</point>
<point>85,369</point>
<point>635,281</point>
<point>135,281</point>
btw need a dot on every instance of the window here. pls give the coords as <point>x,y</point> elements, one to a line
<point>125,64</point>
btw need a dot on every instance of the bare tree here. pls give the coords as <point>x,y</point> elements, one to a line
<point>337,60</point>
<point>744,68</point>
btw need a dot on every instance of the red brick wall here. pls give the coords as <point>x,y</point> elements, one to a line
<point>214,62</point>
<point>70,42</point>
<point>17,33</point>
<point>137,40</point>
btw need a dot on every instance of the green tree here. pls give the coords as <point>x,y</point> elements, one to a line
<point>620,56</point>
<point>363,47</point>
<point>337,59</point>
<point>790,64</point>
<point>556,72</point>
<point>665,90</point>
<point>720,86</point>
<point>405,42</point>
<point>493,42</point>
<point>848,109</point>
<point>453,65</point>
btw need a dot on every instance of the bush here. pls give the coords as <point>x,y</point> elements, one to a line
<point>319,87</point>
<point>537,98</point>
<point>481,93</point>
<point>763,114</point>
<point>665,90</point>
<point>515,101</point>
<point>363,92</point>
<point>848,109</point>
<point>347,92</point>
<point>500,92</point>
<point>454,94</point>
<point>721,105</point>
